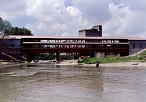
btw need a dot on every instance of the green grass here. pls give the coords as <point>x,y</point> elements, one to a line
<point>141,57</point>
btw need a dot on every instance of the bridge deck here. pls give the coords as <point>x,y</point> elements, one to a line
<point>76,50</point>
<point>74,44</point>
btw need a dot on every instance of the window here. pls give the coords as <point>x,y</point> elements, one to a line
<point>133,45</point>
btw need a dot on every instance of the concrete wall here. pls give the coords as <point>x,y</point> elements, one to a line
<point>90,33</point>
<point>10,47</point>
<point>136,46</point>
<point>10,42</point>
<point>93,33</point>
<point>82,33</point>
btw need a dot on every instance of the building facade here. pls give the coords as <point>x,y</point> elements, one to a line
<point>136,45</point>
<point>10,49</point>
<point>95,31</point>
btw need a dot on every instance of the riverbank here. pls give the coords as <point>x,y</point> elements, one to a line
<point>119,64</point>
<point>75,62</point>
<point>68,62</point>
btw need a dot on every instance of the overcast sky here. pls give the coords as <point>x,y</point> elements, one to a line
<point>67,17</point>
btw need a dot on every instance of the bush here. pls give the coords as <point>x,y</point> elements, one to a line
<point>112,59</point>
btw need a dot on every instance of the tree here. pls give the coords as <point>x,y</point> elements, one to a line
<point>7,29</point>
<point>5,26</point>
<point>19,31</point>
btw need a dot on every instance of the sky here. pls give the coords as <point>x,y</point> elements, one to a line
<point>67,17</point>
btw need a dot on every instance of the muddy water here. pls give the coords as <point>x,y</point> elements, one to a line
<point>52,83</point>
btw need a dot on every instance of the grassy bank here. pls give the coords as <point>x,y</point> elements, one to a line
<point>110,59</point>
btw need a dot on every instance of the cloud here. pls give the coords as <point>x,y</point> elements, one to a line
<point>135,5</point>
<point>73,11</point>
<point>124,21</point>
<point>53,17</point>
<point>68,3</point>
<point>11,9</point>
<point>66,17</point>
<point>94,10</point>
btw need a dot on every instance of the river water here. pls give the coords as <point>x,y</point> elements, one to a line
<point>54,83</point>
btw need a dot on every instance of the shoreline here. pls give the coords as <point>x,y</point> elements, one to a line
<point>75,62</point>
<point>119,64</point>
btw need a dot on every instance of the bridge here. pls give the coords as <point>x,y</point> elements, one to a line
<point>81,45</point>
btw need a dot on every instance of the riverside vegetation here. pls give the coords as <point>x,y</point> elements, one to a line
<point>115,59</point>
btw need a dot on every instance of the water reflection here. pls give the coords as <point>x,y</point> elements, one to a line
<point>53,83</point>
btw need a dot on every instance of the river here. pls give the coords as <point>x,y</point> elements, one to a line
<point>54,83</point>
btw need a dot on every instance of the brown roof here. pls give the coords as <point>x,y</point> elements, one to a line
<point>71,43</point>
<point>75,37</point>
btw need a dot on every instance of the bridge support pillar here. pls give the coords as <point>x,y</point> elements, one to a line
<point>30,56</point>
<point>105,54</point>
<point>95,54</point>
<point>1,52</point>
<point>58,56</point>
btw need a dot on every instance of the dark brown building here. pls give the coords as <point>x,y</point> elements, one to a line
<point>95,31</point>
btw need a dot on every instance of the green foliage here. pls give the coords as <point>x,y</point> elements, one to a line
<point>19,31</point>
<point>143,53</point>
<point>7,29</point>
<point>5,26</point>
<point>42,56</point>
<point>140,57</point>
<point>88,60</point>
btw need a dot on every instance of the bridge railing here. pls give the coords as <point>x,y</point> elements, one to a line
<point>75,49</point>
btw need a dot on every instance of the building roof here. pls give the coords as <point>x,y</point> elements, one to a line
<point>94,28</point>
<point>87,30</point>
<point>129,37</point>
<point>74,37</point>
<point>72,43</point>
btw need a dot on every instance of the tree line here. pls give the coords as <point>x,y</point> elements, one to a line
<point>7,29</point>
